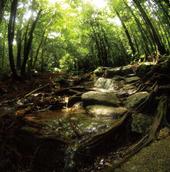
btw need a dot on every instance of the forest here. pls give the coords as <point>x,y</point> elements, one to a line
<point>84,85</point>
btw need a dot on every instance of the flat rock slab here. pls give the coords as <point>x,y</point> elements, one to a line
<point>132,79</point>
<point>106,111</point>
<point>135,99</point>
<point>112,84</point>
<point>100,98</point>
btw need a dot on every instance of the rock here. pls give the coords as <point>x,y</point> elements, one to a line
<point>105,83</point>
<point>135,99</point>
<point>106,111</point>
<point>163,133</point>
<point>110,83</point>
<point>99,71</point>
<point>141,123</point>
<point>153,158</point>
<point>73,100</point>
<point>132,79</point>
<point>126,90</point>
<point>102,98</point>
<point>124,70</point>
<point>143,69</point>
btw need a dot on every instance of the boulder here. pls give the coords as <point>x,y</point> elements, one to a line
<point>135,99</point>
<point>105,83</point>
<point>132,79</point>
<point>99,71</point>
<point>141,123</point>
<point>106,111</point>
<point>73,100</point>
<point>101,98</point>
<point>124,70</point>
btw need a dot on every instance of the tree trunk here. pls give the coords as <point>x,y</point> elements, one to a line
<point>127,33</point>
<point>38,49</point>
<point>11,31</point>
<point>153,33</point>
<point>28,44</point>
<point>2,6</point>
<point>146,40</point>
<point>19,48</point>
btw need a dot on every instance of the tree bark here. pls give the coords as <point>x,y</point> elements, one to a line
<point>153,33</point>
<point>127,33</point>
<point>28,44</point>
<point>11,31</point>
<point>19,48</point>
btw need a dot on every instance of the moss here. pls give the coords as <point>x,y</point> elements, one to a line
<point>154,158</point>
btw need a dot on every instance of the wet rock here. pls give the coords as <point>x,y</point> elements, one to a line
<point>105,83</point>
<point>141,123</point>
<point>132,79</point>
<point>135,99</point>
<point>106,111</point>
<point>102,98</point>
<point>73,100</point>
<point>124,70</point>
<point>126,90</point>
<point>99,71</point>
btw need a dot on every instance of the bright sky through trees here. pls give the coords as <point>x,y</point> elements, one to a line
<point>99,4</point>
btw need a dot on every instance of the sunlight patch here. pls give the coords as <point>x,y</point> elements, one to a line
<point>99,4</point>
<point>116,21</point>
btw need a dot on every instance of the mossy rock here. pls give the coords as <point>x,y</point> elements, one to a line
<point>100,98</point>
<point>154,158</point>
<point>141,123</point>
<point>135,99</point>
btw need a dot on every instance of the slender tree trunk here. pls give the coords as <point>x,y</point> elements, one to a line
<point>127,33</point>
<point>19,48</point>
<point>11,31</point>
<point>151,28</point>
<point>28,44</point>
<point>2,6</point>
<point>38,49</point>
<point>146,41</point>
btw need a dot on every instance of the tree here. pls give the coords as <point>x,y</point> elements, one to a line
<point>11,31</point>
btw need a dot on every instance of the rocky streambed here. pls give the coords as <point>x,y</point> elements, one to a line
<point>96,121</point>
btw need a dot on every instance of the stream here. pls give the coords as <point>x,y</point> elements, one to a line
<point>72,137</point>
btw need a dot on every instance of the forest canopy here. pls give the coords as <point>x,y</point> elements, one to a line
<point>79,35</point>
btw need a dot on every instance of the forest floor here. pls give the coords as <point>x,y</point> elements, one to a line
<point>89,123</point>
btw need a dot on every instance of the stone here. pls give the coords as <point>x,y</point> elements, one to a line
<point>99,71</point>
<point>106,111</point>
<point>141,123</point>
<point>153,158</point>
<point>105,83</point>
<point>101,98</point>
<point>126,90</point>
<point>135,99</point>
<point>73,100</point>
<point>143,69</point>
<point>132,79</point>
<point>123,70</point>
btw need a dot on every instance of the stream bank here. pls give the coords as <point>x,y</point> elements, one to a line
<point>78,124</point>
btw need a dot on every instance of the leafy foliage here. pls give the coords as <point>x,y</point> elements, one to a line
<point>78,33</point>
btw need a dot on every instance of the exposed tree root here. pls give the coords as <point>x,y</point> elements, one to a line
<point>149,137</point>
